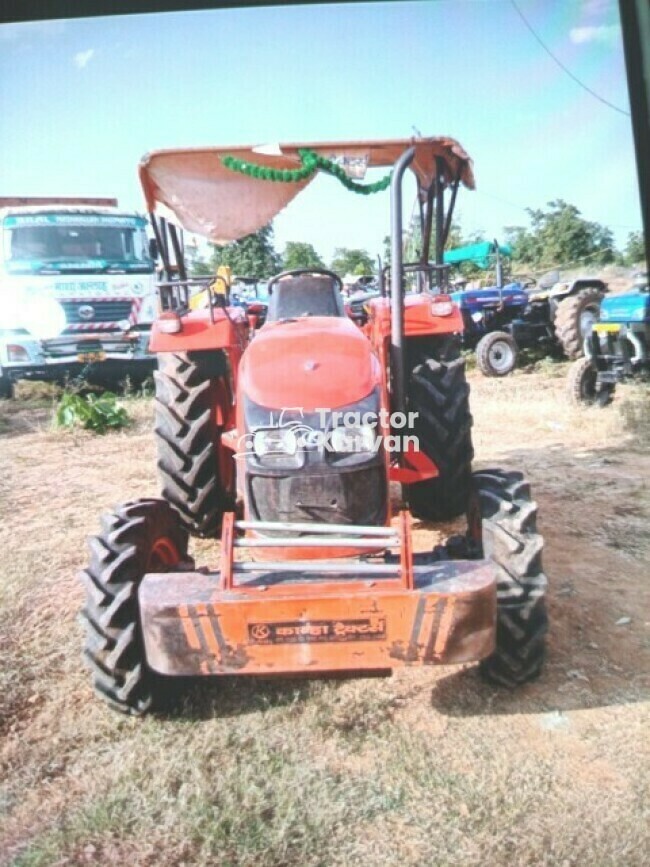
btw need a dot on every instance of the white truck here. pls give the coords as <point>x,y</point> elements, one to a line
<point>77,290</point>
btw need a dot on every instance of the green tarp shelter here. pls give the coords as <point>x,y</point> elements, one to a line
<point>483,255</point>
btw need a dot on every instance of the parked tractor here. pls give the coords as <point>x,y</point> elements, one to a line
<point>618,348</point>
<point>562,314</point>
<point>501,319</point>
<point>284,448</point>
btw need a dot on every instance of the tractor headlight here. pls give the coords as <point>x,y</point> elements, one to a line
<point>281,441</point>
<point>442,307</point>
<point>353,440</point>
<point>278,448</point>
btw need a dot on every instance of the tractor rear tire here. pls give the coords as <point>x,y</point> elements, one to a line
<point>138,537</point>
<point>438,391</point>
<point>187,438</point>
<point>572,317</point>
<point>510,539</point>
<point>583,388</point>
<point>496,354</point>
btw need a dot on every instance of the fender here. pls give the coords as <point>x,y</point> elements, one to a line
<point>198,331</point>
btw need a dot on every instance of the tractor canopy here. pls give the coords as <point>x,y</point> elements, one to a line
<point>226,193</point>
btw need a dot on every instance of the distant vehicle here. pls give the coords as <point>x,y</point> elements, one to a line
<point>357,301</point>
<point>501,319</point>
<point>78,290</point>
<point>617,349</point>
<point>252,294</point>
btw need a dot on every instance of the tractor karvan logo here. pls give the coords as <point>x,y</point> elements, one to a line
<point>345,432</point>
<point>313,631</point>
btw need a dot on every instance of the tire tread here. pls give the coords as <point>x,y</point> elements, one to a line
<point>511,540</point>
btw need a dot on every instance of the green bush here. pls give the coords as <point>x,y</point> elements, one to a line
<point>96,413</point>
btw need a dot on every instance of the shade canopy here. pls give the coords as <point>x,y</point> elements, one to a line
<point>195,189</point>
<point>483,255</point>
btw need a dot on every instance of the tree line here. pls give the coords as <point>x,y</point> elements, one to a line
<point>557,236</point>
<point>256,256</point>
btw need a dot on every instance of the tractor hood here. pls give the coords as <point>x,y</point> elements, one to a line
<point>511,295</point>
<point>627,308</point>
<point>312,363</point>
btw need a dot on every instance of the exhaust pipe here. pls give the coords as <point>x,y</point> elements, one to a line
<point>396,301</point>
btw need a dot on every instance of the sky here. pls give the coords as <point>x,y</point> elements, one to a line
<point>83,100</point>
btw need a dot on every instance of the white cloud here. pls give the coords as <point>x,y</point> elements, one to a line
<point>82,58</point>
<point>603,33</point>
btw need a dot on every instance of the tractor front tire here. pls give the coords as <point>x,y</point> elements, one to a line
<point>187,438</point>
<point>438,391</point>
<point>139,537</point>
<point>573,317</point>
<point>496,354</point>
<point>583,388</point>
<point>510,539</point>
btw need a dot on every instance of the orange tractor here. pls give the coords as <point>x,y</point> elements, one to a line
<point>283,443</point>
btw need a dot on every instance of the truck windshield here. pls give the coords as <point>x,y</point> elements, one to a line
<point>68,243</point>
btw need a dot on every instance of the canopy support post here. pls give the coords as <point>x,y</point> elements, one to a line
<point>450,210</point>
<point>178,254</point>
<point>426,224</point>
<point>440,216</point>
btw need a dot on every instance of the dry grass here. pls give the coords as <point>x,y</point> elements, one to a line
<point>426,767</point>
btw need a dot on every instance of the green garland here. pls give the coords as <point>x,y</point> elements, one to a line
<point>310,163</point>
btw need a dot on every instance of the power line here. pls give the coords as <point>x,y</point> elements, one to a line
<point>503,201</point>
<point>563,67</point>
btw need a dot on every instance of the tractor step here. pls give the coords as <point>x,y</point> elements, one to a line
<point>276,621</point>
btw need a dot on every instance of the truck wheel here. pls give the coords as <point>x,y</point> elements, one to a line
<point>583,387</point>
<point>509,538</point>
<point>575,317</point>
<point>188,438</point>
<point>139,537</point>
<point>438,392</point>
<point>6,388</point>
<point>496,354</point>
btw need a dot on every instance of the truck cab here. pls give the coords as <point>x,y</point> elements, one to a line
<point>77,290</point>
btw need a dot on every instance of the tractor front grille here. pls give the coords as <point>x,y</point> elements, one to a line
<point>354,497</point>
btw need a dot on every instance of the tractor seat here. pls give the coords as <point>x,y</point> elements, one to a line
<point>305,295</point>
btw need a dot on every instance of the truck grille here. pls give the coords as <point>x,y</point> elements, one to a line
<point>103,311</point>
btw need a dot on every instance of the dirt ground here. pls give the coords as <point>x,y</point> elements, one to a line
<point>426,767</point>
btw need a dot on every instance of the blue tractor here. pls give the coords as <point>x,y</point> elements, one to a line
<point>617,349</point>
<point>501,319</point>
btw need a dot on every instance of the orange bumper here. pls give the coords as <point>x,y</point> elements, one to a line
<point>284,624</point>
